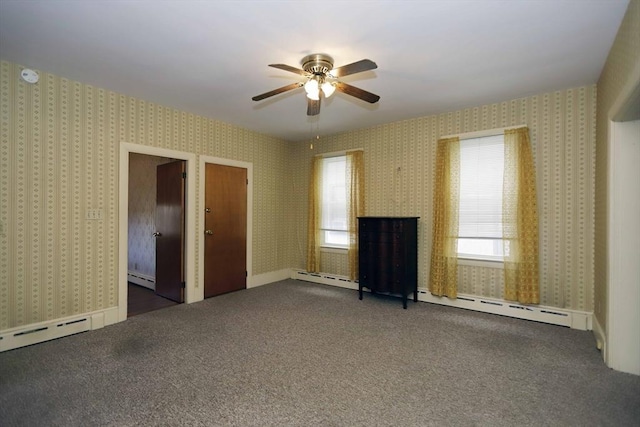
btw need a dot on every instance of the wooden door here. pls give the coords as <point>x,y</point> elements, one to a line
<point>225,248</point>
<point>170,230</point>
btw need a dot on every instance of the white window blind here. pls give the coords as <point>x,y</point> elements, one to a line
<point>480,210</point>
<point>334,202</point>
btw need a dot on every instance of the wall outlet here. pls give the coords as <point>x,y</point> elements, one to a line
<point>94,214</point>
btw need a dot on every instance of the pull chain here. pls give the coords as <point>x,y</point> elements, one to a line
<point>317,132</point>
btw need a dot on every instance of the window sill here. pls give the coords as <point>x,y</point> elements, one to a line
<point>480,263</point>
<point>333,249</point>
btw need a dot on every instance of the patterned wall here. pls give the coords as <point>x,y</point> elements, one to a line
<point>399,163</point>
<point>623,57</point>
<point>59,153</point>
<point>142,210</point>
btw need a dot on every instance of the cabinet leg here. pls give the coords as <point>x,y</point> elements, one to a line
<point>415,296</point>
<point>404,302</point>
<point>360,292</point>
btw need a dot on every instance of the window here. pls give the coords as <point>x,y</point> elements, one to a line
<point>334,202</point>
<point>480,209</point>
<point>468,219</point>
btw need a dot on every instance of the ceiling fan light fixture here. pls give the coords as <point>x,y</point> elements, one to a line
<point>328,88</point>
<point>314,96</point>
<point>312,87</point>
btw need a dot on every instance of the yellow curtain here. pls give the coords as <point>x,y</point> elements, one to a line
<point>355,206</point>
<point>443,280</point>
<point>315,216</point>
<point>520,219</point>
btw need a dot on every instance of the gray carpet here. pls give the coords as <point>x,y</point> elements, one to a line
<point>295,353</point>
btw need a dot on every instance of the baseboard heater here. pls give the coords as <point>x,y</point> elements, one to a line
<point>142,280</point>
<point>44,331</point>
<point>326,279</point>
<point>552,315</point>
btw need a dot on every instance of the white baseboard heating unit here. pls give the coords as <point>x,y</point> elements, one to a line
<point>142,279</point>
<point>44,331</point>
<point>552,315</point>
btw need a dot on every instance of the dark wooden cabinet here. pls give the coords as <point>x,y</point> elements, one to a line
<point>388,255</point>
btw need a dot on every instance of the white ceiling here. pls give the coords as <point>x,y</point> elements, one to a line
<point>210,57</point>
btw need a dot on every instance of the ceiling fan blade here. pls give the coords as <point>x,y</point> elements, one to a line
<point>289,68</point>
<point>356,67</point>
<point>357,92</point>
<point>278,91</point>
<point>313,107</point>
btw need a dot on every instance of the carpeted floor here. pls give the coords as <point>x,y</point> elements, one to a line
<point>295,353</point>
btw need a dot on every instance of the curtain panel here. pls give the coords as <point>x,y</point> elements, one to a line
<point>443,279</point>
<point>355,206</point>
<point>520,219</point>
<point>315,216</point>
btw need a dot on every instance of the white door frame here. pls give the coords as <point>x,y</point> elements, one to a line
<point>622,343</point>
<point>622,352</point>
<point>191,292</point>
<point>238,164</point>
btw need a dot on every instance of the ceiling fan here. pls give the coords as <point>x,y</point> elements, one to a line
<point>321,79</point>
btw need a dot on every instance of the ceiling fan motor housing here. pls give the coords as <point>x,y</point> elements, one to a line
<point>317,63</point>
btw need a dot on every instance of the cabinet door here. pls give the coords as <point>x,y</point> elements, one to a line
<point>383,248</point>
<point>367,262</point>
<point>397,262</point>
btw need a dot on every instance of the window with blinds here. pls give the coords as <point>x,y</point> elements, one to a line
<point>480,210</point>
<point>334,202</point>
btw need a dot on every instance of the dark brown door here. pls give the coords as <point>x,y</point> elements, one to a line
<point>225,250</point>
<point>170,230</point>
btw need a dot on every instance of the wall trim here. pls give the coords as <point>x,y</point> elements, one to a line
<point>325,279</point>
<point>51,329</point>
<point>123,219</point>
<point>266,278</point>
<point>623,293</point>
<point>556,316</point>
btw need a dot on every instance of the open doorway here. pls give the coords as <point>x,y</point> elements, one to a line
<point>191,291</point>
<point>144,286</point>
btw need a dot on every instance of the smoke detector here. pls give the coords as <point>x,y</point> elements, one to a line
<point>29,76</point>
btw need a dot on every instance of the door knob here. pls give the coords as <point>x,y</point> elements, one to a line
<point>209,232</point>
<point>157,234</point>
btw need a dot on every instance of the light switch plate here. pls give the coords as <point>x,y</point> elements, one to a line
<point>94,214</point>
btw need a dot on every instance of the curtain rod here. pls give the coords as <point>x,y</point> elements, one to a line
<point>337,153</point>
<point>481,133</point>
